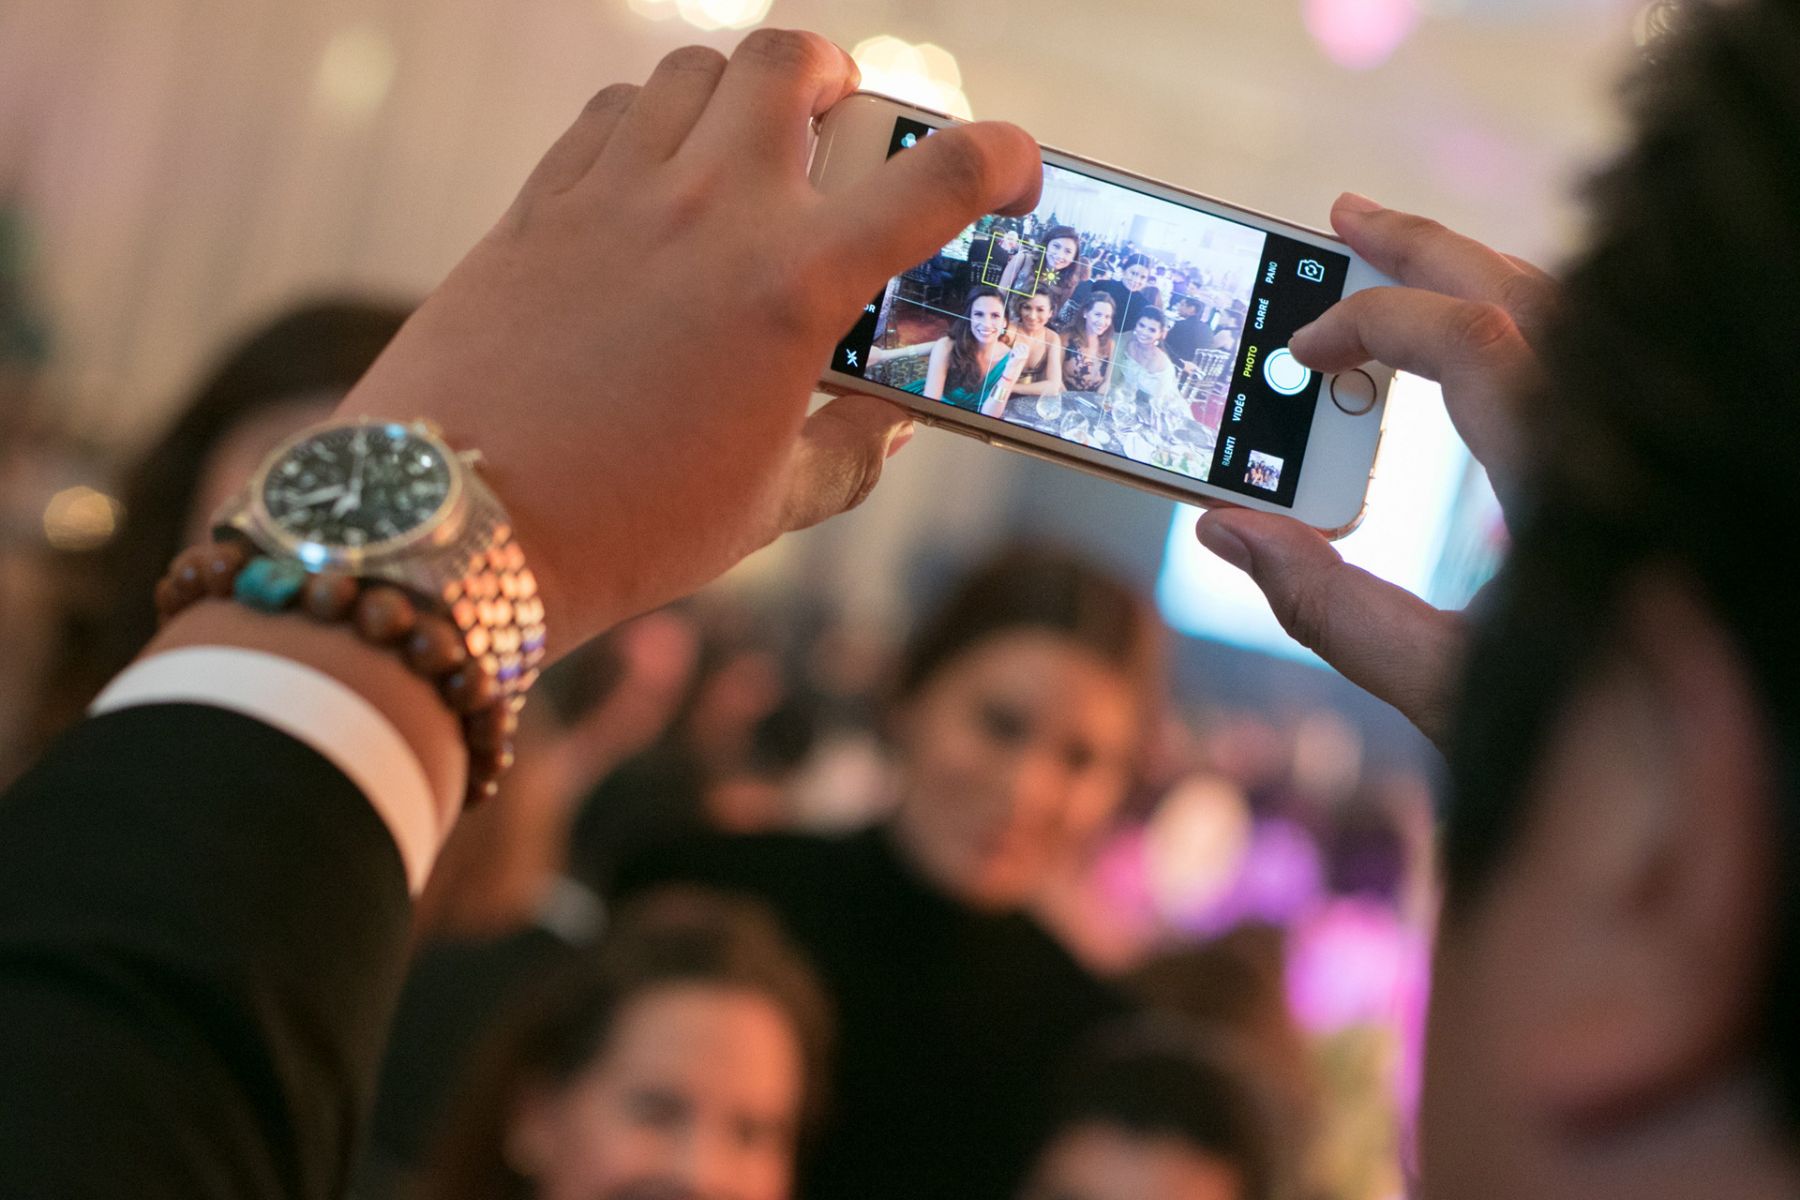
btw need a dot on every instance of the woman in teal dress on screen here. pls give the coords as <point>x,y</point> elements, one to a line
<point>973,367</point>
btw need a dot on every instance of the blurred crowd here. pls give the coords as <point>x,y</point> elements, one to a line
<point>776,904</point>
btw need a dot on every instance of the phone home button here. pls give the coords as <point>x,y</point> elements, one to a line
<point>1354,392</point>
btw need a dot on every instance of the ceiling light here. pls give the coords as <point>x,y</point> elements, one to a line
<point>924,74</point>
<point>705,14</point>
<point>1360,34</point>
<point>355,73</point>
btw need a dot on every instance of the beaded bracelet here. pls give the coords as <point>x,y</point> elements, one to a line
<point>382,615</point>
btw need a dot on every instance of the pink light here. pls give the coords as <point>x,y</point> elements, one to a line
<point>1360,34</point>
<point>1355,963</point>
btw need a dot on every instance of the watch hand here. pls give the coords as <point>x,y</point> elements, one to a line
<point>314,497</point>
<point>353,498</point>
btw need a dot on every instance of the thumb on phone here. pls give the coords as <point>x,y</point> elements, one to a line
<point>839,456</point>
<point>1380,637</point>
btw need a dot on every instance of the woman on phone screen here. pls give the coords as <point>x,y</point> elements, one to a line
<point>1042,373</point>
<point>1143,374</point>
<point>1087,357</point>
<point>1057,269</point>
<point>972,367</point>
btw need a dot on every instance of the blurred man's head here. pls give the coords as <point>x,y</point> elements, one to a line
<point>1148,1114</point>
<point>1618,971</point>
<point>676,1063</point>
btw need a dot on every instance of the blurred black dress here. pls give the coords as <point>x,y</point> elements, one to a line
<point>952,1022</point>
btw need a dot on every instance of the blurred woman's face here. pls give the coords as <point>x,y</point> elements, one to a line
<point>1148,331</point>
<point>696,1093</point>
<point>1016,753</point>
<point>1060,253</point>
<point>987,319</point>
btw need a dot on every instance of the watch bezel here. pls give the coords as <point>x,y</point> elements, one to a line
<point>436,530</point>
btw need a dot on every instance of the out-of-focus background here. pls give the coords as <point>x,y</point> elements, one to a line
<point>173,172</point>
<point>170,170</point>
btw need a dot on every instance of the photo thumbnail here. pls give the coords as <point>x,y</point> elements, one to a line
<point>1106,317</point>
<point>1264,471</point>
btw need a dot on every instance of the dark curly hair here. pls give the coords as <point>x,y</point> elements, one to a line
<point>1670,360</point>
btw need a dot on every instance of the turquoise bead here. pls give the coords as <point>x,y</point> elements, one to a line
<point>269,584</point>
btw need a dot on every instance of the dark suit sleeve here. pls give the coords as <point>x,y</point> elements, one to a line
<point>202,929</point>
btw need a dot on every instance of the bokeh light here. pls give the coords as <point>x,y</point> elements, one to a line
<point>355,73</point>
<point>1354,962</point>
<point>1360,34</point>
<point>704,14</point>
<point>80,518</point>
<point>924,74</point>
<point>1195,844</point>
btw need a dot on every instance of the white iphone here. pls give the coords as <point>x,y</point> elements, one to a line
<point>1124,327</point>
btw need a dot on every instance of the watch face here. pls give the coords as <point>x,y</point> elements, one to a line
<point>357,485</point>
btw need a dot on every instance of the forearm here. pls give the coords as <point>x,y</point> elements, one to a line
<point>215,947</point>
<point>202,932</point>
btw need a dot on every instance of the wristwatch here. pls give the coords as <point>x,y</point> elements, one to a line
<point>392,502</point>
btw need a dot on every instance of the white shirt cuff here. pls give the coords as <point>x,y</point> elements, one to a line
<point>311,707</point>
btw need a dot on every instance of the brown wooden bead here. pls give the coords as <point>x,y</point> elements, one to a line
<point>384,615</point>
<point>219,566</point>
<point>187,572</point>
<point>491,763</point>
<point>435,648</point>
<point>491,728</point>
<point>469,689</point>
<point>169,598</point>
<point>329,596</point>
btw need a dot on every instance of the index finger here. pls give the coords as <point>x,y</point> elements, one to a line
<point>918,201</point>
<point>1421,253</point>
<point>774,83</point>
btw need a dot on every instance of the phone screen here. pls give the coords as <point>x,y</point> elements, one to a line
<point>1117,320</point>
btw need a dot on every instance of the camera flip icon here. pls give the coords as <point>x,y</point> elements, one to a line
<point>1312,269</point>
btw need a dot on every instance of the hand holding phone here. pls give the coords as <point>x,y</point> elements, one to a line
<point>1164,318</point>
<point>1463,317</point>
<point>638,464</point>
